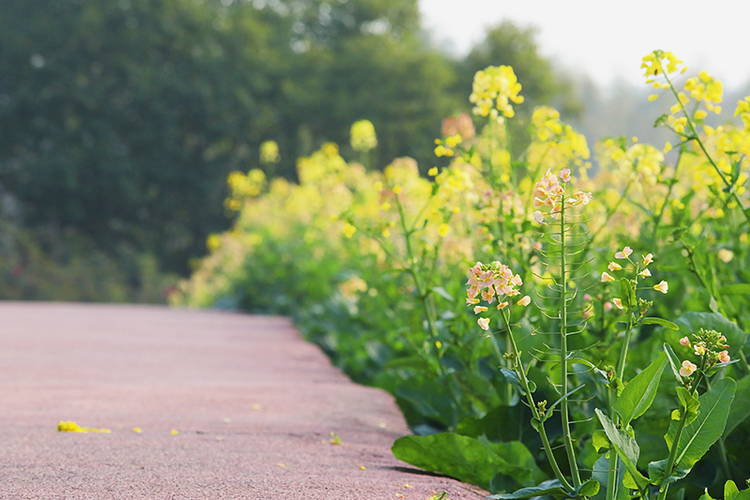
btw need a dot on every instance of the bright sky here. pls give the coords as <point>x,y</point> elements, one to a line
<point>606,38</point>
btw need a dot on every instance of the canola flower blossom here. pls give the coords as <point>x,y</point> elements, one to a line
<point>710,346</point>
<point>549,193</point>
<point>494,89</point>
<point>362,136</point>
<point>640,270</point>
<point>493,282</point>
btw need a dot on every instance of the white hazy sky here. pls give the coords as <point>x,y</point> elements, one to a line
<point>607,39</point>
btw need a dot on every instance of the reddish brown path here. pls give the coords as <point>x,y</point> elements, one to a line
<point>253,404</point>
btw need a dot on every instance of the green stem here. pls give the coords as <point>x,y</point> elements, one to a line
<point>567,438</point>
<point>672,456</point>
<point>521,372</point>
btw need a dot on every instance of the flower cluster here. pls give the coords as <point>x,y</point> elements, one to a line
<point>494,90</point>
<point>362,136</point>
<point>493,281</point>
<point>710,346</point>
<point>550,193</point>
<point>641,270</point>
<point>269,152</point>
<point>659,62</point>
<point>446,147</point>
<point>743,111</point>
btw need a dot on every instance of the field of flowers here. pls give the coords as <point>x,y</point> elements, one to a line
<point>547,328</point>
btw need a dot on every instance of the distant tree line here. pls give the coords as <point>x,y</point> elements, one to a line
<point>120,119</point>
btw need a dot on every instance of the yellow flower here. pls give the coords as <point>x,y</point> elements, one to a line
<point>137,430</point>
<point>432,172</point>
<point>269,152</point>
<point>175,432</point>
<point>524,301</point>
<point>363,136</point>
<point>617,302</point>
<point>443,230</point>
<point>662,287</point>
<point>349,230</point>
<point>484,323</point>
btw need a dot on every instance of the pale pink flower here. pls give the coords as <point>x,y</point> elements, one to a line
<point>645,273</point>
<point>624,253</point>
<point>684,341</point>
<point>586,297</point>
<point>607,306</point>
<point>565,175</point>
<point>583,197</point>
<point>484,323</point>
<point>606,277</point>
<point>724,357</point>
<point>471,302</point>
<point>687,369</point>
<point>539,217</point>
<point>662,287</point>
<point>502,305</point>
<point>516,280</point>
<point>699,349</point>
<point>614,266</point>
<point>526,301</point>
<point>617,302</point>
<point>477,269</point>
<point>479,309</point>
<point>648,259</point>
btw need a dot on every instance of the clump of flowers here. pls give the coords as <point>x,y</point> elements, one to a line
<point>269,152</point>
<point>494,89</point>
<point>710,347</point>
<point>362,136</point>
<point>550,193</point>
<point>640,270</point>
<point>743,111</point>
<point>490,282</point>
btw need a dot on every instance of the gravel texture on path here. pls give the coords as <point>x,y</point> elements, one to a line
<point>228,406</point>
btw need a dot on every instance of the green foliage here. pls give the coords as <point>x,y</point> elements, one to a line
<point>471,460</point>
<point>640,392</point>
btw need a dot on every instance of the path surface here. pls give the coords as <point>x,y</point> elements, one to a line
<point>253,404</point>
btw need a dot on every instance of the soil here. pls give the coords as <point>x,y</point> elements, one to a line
<point>228,406</point>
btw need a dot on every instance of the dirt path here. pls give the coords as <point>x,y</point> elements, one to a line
<point>253,407</point>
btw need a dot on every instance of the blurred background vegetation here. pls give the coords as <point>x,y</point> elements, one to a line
<point>120,120</point>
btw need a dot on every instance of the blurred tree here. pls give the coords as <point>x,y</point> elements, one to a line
<point>122,118</point>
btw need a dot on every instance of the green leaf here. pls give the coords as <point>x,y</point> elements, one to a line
<point>660,321</point>
<point>551,488</point>
<point>628,294</point>
<point>735,289</point>
<point>638,395</point>
<point>625,446</point>
<point>600,441</point>
<point>730,490</point>
<point>698,436</point>
<point>705,495</point>
<point>656,472</point>
<point>740,409</point>
<point>443,293</point>
<point>674,362</point>
<point>468,459</point>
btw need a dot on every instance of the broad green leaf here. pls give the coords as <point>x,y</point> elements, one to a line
<point>660,321</point>
<point>698,436</point>
<point>735,289</point>
<point>730,490</point>
<point>656,473</point>
<point>740,409</point>
<point>468,459</point>
<point>705,495</point>
<point>551,488</point>
<point>625,446</point>
<point>638,395</point>
<point>692,322</point>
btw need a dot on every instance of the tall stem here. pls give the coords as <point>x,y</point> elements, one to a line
<point>672,456</point>
<point>569,449</point>
<point>539,418</point>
